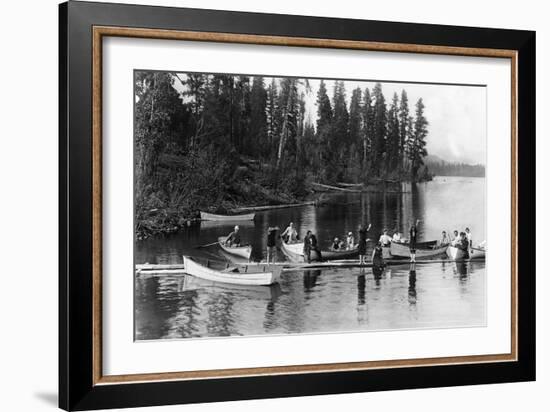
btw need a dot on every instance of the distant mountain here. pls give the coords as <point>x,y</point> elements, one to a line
<point>439,167</point>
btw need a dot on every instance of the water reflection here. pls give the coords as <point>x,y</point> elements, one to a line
<point>445,294</point>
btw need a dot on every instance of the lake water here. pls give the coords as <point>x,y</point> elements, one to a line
<point>434,295</point>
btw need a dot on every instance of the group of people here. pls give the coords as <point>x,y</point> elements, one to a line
<point>311,244</point>
<point>462,240</point>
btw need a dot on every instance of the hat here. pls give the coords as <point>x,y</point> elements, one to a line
<point>350,234</point>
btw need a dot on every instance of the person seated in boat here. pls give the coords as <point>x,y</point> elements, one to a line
<point>397,237</point>
<point>463,244</point>
<point>456,238</point>
<point>234,238</point>
<point>290,235</point>
<point>350,241</point>
<point>336,244</point>
<point>377,257</point>
<point>385,239</point>
<point>444,239</point>
<point>362,244</point>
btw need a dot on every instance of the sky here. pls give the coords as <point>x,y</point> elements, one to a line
<point>456,115</point>
<point>457,130</point>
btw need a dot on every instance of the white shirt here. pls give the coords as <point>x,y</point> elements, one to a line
<point>385,239</point>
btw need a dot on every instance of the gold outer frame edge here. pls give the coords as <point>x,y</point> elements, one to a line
<point>101,31</point>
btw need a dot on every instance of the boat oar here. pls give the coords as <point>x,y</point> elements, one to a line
<point>209,244</point>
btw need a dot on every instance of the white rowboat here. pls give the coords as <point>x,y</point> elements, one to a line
<point>455,253</point>
<point>402,250</point>
<point>295,253</point>
<point>242,251</point>
<point>258,275</point>
<point>227,218</point>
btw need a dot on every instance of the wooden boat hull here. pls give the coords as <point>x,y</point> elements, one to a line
<point>227,218</point>
<point>422,252</point>
<point>455,253</point>
<point>295,253</point>
<point>252,275</point>
<point>241,251</point>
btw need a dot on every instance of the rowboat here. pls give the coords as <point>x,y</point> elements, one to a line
<point>227,218</point>
<point>191,283</point>
<point>295,253</point>
<point>258,275</point>
<point>455,253</point>
<point>423,250</point>
<point>242,251</point>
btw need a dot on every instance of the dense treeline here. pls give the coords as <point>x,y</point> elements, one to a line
<point>443,168</point>
<point>218,141</point>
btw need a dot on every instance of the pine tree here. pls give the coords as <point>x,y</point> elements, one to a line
<point>392,142</point>
<point>368,130</point>
<point>355,129</point>
<point>257,138</point>
<point>324,122</point>
<point>271,113</point>
<point>403,121</point>
<point>417,147</point>
<point>379,130</point>
<point>339,139</point>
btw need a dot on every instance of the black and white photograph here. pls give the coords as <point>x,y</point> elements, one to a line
<point>291,205</point>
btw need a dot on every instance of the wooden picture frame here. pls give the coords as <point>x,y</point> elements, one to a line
<point>82,385</point>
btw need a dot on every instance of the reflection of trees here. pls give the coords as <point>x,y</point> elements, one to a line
<point>159,307</point>
<point>220,320</point>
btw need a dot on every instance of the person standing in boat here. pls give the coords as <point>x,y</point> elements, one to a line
<point>385,239</point>
<point>315,247</point>
<point>413,232</point>
<point>310,244</point>
<point>350,241</point>
<point>272,244</point>
<point>362,244</point>
<point>234,238</point>
<point>290,235</point>
<point>463,245</point>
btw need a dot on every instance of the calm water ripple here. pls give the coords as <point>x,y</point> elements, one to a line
<point>433,295</point>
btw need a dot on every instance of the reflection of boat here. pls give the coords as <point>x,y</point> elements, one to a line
<point>423,250</point>
<point>455,253</point>
<point>242,251</point>
<point>271,292</point>
<point>295,252</point>
<point>260,275</point>
<point>227,218</point>
<point>213,224</point>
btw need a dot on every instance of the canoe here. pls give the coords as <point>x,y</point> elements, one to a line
<point>242,251</point>
<point>258,275</point>
<point>423,250</point>
<point>455,253</point>
<point>227,218</point>
<point>295,253</point>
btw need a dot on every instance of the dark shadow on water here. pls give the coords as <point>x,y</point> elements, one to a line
<point>49,398</point>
